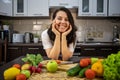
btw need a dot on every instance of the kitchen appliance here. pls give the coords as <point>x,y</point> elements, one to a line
<point>2,34</point>
<point>115,33</point>
<point>28,37</point>
<point>18,38</point>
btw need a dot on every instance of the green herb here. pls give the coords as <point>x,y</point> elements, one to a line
<point>33,59</point>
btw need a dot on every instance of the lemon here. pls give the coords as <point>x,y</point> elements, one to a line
<point>11,73</point>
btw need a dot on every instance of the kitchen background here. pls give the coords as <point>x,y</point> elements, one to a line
<point>96,20</point>
<point>99,29</point>
<point>90,26</point>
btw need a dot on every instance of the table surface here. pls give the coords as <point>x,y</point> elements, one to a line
<point>19,61</point>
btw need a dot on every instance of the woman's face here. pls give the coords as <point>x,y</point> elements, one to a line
<point>61,20</point>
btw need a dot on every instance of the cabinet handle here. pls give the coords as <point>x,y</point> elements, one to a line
<point>100,14</point>
<point>76,54</point>
<point>89,49</point>
<point>64,4</point>
<point>19,14</point>
<point>116,14</point>
<point>38,14</point>
<point>86,14</point>
<point>78,47</point>
<point>106,49</point>
<point>13,48</point>
<point>33,48</point>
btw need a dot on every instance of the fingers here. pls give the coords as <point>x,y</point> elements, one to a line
<point>70,28</point>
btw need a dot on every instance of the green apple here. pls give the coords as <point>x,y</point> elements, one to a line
<point>52,66</point>
<point>26,73</point>
<point>93,60</point>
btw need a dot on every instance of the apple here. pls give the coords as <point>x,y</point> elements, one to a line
<point>52,66</point>
<point>25,66</point>
<point>93,60</point>
<point>26,73</point>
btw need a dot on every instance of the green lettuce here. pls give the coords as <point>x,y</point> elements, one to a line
<point>112,67</point>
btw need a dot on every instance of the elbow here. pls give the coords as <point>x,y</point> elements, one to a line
<point>51,57</point>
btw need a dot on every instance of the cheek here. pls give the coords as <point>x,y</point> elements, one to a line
<point>68,24</point>
<point>57,22</point>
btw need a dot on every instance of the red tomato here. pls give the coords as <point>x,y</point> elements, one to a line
<point>90,74</point>
<point>89,60</point>
<point>17,66</point>
<point>84,62</point>
<point>21,77</point>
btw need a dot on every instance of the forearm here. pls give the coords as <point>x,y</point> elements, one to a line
<point>66,54</point>
<point>55,51</point>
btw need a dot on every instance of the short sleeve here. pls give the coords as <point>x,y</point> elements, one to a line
<point>46,40</point>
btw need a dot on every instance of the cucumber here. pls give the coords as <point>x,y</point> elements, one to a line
<point>74,70</point>
<point>82,71</point>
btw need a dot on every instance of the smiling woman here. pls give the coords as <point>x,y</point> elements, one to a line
<point>60,38</point>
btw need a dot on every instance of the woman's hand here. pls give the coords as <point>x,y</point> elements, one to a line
<point>67,32</point>
<point>54,25</point>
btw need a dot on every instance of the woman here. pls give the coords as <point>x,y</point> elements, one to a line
<point>60,38</point>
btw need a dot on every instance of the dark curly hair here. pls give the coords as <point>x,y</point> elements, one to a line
<point>72,35</point>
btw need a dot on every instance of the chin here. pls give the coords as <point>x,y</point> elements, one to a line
<point>61,31</point>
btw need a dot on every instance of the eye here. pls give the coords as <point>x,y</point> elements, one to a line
<point>66,19</point>
<point>59,18</point>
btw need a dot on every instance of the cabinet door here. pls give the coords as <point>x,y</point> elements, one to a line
<point>89,51</point>
<point>85,8</point>
<point>38,8</point>
<point>20,7</point>
<point>6,7</point>
<point>1,52</point>
<point>106,51</point>
<point>114,9</point>
<point>13,52</point>
<point>63,3</point>
<point>33,50</point>
<point>99,8</point>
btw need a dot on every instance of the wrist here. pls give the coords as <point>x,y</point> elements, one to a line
<point>57,36</point>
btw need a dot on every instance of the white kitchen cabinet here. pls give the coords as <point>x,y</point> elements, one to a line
<point>6,7</point>
<point>38,8</point>
<point>114,8</point>
<point>63,3</point>
<point>92,8</point>
<point>100,7</point>
<point>20,8</point>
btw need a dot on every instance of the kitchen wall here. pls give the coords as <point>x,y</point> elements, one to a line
<point>98,28</point>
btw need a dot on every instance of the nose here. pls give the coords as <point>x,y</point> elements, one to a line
<point>63,21</point>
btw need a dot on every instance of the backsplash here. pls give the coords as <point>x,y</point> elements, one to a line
<point>98,29</point>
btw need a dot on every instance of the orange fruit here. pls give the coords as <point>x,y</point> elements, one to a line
<point>17,66</point>
<point>58,61</point>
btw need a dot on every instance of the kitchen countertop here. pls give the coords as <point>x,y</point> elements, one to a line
<point>98,44</point>
<point>24,44</point>
<point>19,61</point>
<point>78,44</point>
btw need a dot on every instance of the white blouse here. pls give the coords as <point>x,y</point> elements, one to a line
<point>47,43</point>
